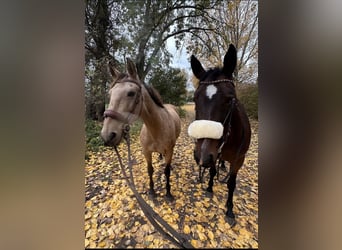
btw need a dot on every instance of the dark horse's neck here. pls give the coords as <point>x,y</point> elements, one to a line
<point>240,128</point>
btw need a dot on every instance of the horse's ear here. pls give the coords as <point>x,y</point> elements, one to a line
<point>196,67</point>
<point>113,71</point>
<point>229,62</point>
<point>132,69</point>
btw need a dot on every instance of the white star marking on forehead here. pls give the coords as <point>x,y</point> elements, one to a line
<point>210,91</point>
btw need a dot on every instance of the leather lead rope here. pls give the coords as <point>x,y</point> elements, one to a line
<point>158,222</point>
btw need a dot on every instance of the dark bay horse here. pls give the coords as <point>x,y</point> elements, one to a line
<point>217,105</point>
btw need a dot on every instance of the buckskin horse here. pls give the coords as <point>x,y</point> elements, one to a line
<point>221,127</point>
<point>130,99</point>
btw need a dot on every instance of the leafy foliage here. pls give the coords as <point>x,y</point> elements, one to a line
<point>115,30</point>
<point>248,96</point>
<point>230,22</point>
<point>181,112</point>
<point>93,128</point>
<point>171,85</point>
<point>151,23</point>
<point>93,140</point>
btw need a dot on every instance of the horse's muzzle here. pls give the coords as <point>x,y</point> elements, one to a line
<point>206,160</point>
<point>110,140</point>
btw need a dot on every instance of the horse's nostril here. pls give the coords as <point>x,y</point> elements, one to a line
<point>112,136</point>
<point>206,160</point>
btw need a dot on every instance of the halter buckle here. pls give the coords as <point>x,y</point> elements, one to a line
<point>126,128</point>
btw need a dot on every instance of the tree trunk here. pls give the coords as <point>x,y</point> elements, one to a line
<point>98,21</point>
<point>90,109</point>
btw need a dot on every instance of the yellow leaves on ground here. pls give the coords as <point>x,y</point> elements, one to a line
<point>195,243</point>
<point>86,243</point>
<point>102,244</point>
<point>186,229</point>
<point>243,232</point>
<point>109,214</point>
<point>201,236</point>
<point>113,218</point>
<point>210,235</point>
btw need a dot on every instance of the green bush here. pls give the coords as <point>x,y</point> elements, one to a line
<point>181,112</point>
<point>135,128</point>
<point>248,96</point>
<point>171,85</point>
<point>93,139</point>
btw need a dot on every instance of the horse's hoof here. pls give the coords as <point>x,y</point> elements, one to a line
<point>209,194</point>
<point>169,197</point>
<point>209,189</point>
<point>152,193</point>
<point>231,221</point>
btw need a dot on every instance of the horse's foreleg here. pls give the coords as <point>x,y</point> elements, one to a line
<point>231,183</point>
<point>212,172</point>
<point>167,172</point>
<point>148,157</point>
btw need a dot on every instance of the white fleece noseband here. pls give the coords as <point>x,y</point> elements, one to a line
<point>205,129</point>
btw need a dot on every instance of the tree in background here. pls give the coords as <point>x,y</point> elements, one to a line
<point>115,30</point>
<point>97,43</point>
<point>151,23</point>
<point>231,22</point>
<point>171,85</point>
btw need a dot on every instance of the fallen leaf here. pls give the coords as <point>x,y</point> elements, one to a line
<point>194,243</point>
<point>211,235</point>
<point>186,229</point>
<point>108,196</point>
<point>202,236</point>
<point>86,242</point>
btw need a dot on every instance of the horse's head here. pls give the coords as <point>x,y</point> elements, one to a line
<point>124,106</point>
<point>214,100</point>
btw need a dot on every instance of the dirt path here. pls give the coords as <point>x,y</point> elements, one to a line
<point>113,218</point>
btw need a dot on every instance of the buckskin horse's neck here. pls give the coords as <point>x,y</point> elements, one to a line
<point>152,114</point>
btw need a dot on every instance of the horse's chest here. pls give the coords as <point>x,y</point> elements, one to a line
<point>157,143</point>
<point>161,144</point>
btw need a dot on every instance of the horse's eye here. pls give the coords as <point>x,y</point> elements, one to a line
<point>131,93</point>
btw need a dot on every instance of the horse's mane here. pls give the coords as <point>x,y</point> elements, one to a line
<point>154,95</point>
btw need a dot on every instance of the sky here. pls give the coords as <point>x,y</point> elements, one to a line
<point>180,60</point>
